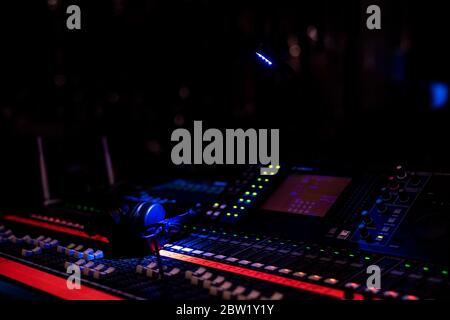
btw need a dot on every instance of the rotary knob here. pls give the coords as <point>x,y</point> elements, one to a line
<point>366,218</point>
<point>393,183</point>
<point>386,194</point>
<point>381,206</point>
<point>364,232</point>
<point>401,173</point>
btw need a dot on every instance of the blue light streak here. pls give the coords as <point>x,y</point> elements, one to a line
<point>264,59</point>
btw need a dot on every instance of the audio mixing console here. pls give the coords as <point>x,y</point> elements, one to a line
<point>301,234</point>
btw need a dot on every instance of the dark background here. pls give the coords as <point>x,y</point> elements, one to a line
<point>138,69</point>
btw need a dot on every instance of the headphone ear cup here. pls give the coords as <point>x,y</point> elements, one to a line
<point>136,219</point>
<point>151,214</point>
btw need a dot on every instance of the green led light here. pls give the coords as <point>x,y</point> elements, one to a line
<point>257,239</point>
<point>234,207</point>
<point>216,204</point>
<point>308,248</point>
<point>321,250</point>
<point>247,193</point>
<point>241,199</point>
<point>195,228</point>
<point>266,180</point>
<point>407,265</point>
<point>445,272</point>
<point>351,255</point>
<point>260,187</point>
<point>259,179</point>
<point>367,258</point>
<point>254,193</point>
<point>336,252</point>
<point>228,214</point>
<point>426,269</point>
<point>242,208</point>
<point>248,200</point>
<point>253,186</point>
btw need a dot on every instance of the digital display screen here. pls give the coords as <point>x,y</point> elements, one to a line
<point>305,194</point>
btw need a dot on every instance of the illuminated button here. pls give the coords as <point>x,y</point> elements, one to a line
<point>410,297</point>
<point>197,252</point>
<point>299,274</point>
<point>352,285</point>
<point>391,294</point>
<point>223,206</point>
<point>232,259</point>
<point>209,254</point>
<point>98,254</point>
<point>257,265</point>
<point>331,281</point>
<point>177,247</point>
<point>379,238</point>
<point>215,214</point>
<point>209,212</point>
<point>187,249</point>
<point>215,205</point>
<point>220,256</point>
<point>372,290</point>
<point>244,262</point>
<point>88,253</point>
<point>271,268</point>
<point>285,271</point>
<point>314,277</point>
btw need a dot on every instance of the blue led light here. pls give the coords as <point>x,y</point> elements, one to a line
<point>264,59</point>
<point>439,94</point>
